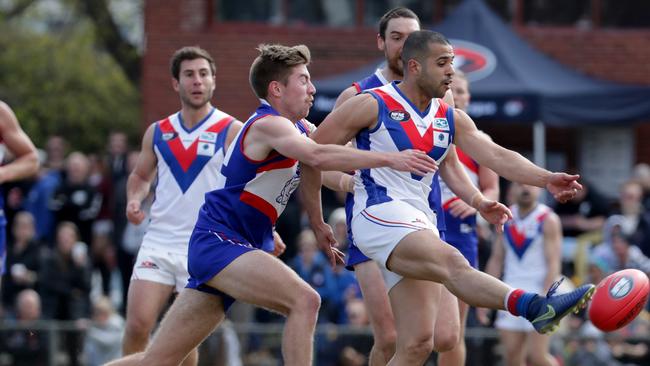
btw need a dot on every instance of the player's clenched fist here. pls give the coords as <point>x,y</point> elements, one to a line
<point>133,212</point>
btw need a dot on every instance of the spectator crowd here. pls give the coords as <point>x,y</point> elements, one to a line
<point>70,255</point>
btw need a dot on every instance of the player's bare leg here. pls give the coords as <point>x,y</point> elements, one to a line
<point>538,350</point>
<point>415,329</point>
<point>447,326</point>
<point>192,358</point>
<point>181,330</point>
<point>146,300</point>
<point>260,279</point>
<point>458,354</point>
<point>514,346</point>
<point>375,296</point>
<point>422,255</point>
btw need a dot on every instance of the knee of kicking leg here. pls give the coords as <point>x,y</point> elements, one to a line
<point>456,263</point>
<point>419,347</point>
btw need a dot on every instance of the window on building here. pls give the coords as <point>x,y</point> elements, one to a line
<point>625,13</point>
<point>246,11</point>
<point>343,13</point>
<point>333,13</point>
<point>374,9</point>
<point>556,12</point>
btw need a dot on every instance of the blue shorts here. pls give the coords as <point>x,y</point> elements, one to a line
<point>467,244</point>
<point>209,253</point>
<point>354,256</point>
<point>354,253</point>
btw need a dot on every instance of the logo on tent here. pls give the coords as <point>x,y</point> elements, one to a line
<point>476,61</point>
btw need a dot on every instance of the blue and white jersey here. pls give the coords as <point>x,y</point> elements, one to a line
<point>254,192</point>
<point>373,81</point>
<point>401,126</point>
<point>435,200</point>
<point>524,261</point>
<point>188,166</point>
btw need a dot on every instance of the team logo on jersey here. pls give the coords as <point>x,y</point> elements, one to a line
<point>441,139</point>
<point>289,187</point>
<point>205,148</point>
<point>208,136</point>
<point>399,115</point>
<point>476,61</point>
<point>441,124</point>
<point>169,135</point>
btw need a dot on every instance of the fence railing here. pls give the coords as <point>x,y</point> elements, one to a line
<point>251,338</point>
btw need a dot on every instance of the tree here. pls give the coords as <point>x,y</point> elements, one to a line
<point>104,24</point>
<point>62,84</point>
<point>15,9</point>
<point>109,35</point>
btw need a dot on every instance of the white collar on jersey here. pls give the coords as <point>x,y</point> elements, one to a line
<point>381,77</point>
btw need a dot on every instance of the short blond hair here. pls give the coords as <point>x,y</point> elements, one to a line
<point>274,64</point>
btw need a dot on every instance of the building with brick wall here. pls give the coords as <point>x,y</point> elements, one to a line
<point>610,54</point>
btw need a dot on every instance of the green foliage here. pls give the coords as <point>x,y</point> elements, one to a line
<point>62,84</point>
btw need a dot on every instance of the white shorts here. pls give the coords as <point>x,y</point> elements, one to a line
<point>379,228</point>
<point>160,265</point>
<point>507,321</point>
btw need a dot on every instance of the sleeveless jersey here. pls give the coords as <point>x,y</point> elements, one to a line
<point>524,261</point>
<point>188,166</point>
<point>254,192</point>
<point>373,81</point>
<point>455,224</point>
<point>400,126</point>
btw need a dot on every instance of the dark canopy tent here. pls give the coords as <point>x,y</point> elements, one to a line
<point>513,82</point>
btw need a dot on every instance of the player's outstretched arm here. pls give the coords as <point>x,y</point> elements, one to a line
<point>509,164</point>
<point>338,181</point>
<point>455,176</point>
<point>139,182</point>
<point>453,173</point>
<point>277,133</point>
<point>26,162</point>
<point>488,182</point>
